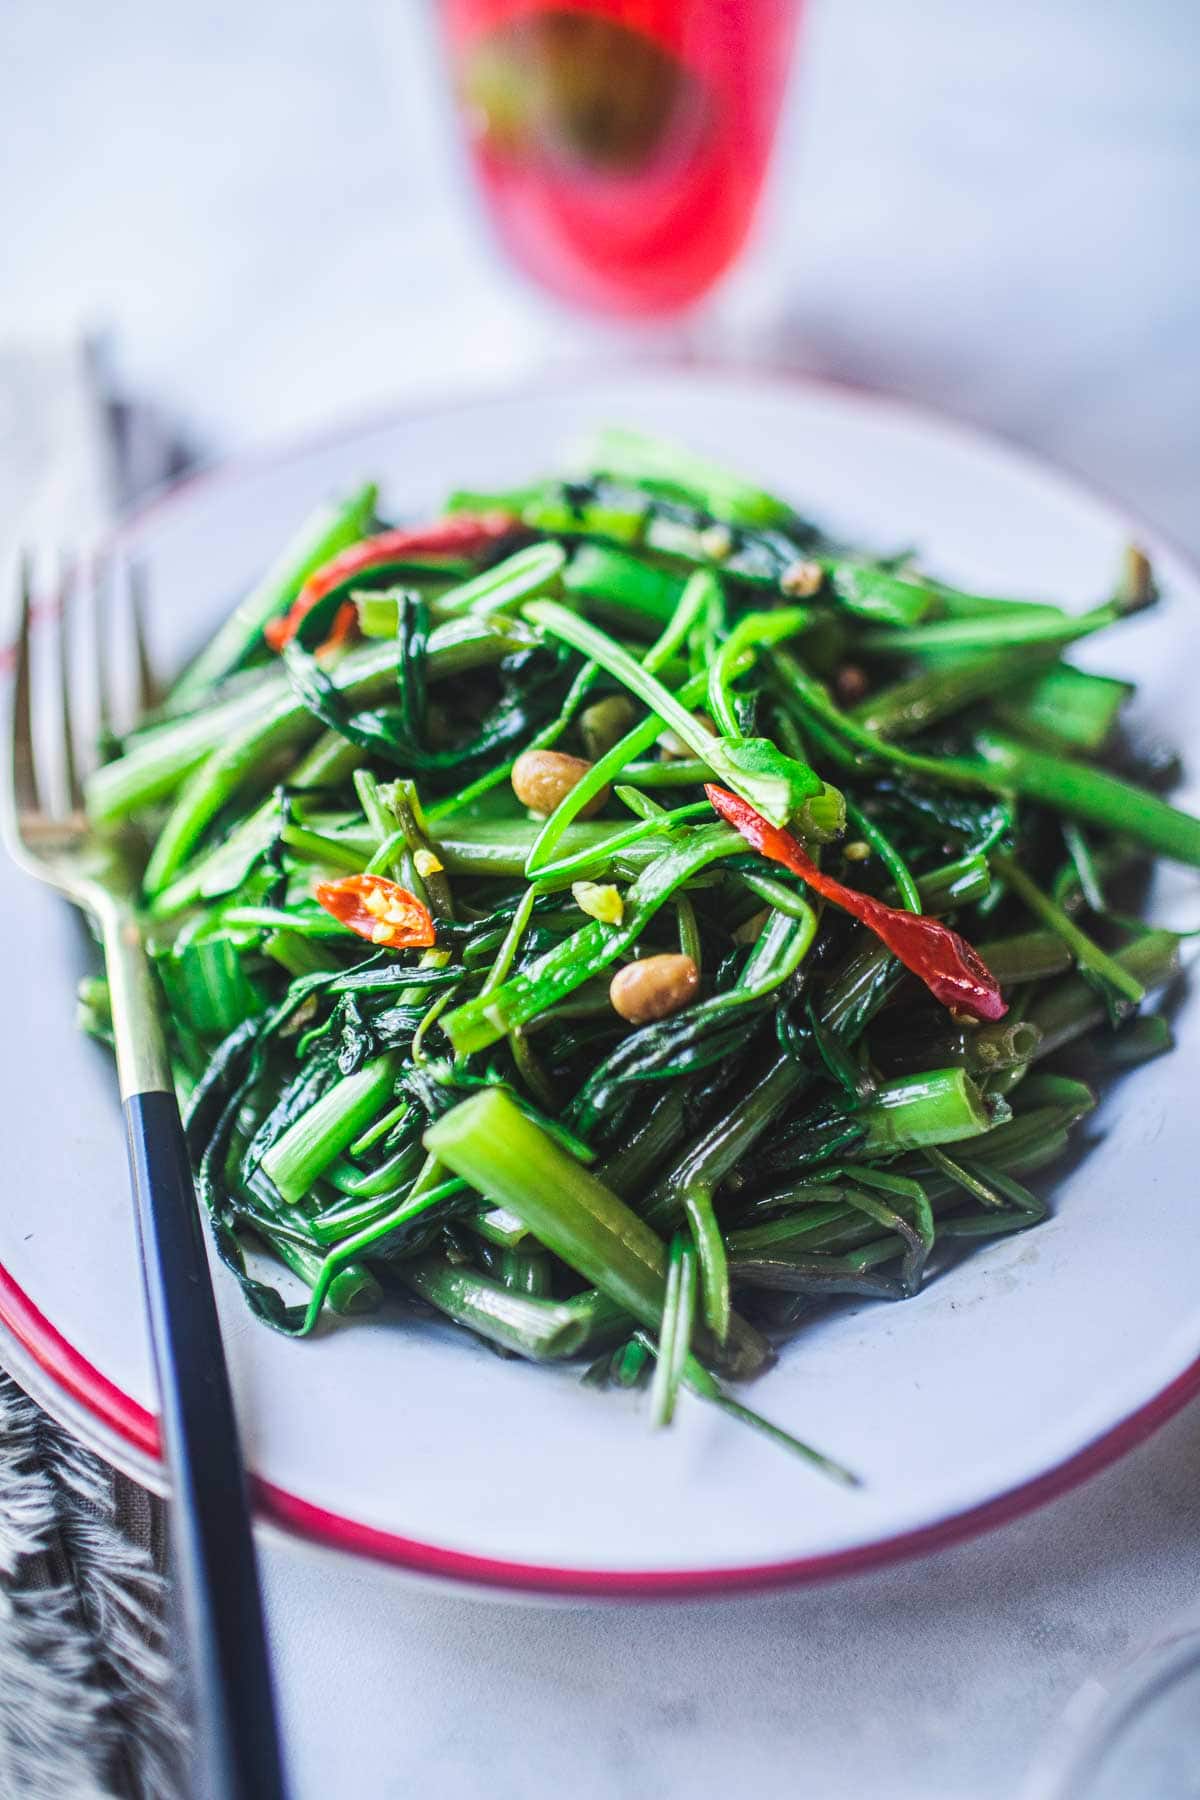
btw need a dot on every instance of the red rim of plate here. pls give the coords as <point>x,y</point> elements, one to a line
<point>136,1429</point>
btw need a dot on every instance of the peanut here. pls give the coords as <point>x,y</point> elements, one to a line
<point>673,746</point>
<point>801,580</point>
<point>850,684</point>
<point>653,987</point>
<point>605,723</point>
<point>541,778</point>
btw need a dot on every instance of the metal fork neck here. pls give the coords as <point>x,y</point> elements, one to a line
<point>143,1066</point>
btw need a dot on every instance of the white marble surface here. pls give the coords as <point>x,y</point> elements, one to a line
<point>990,208</point>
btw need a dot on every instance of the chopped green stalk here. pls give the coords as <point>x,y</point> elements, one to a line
<point>939,692</point>
<point>675,1330</point>
<point>379,1129</point>
<point>1025,1210</point>
<point>297,1158</point>
<point>954,603</point>
<point>784,899</point>
<point>630,1362</point>
<point>491,1144</point>
<point>1074,1006</point>
<point>938,1106</point>
<point>981,1050</point>
<point>1088,954</point>
<point>902,1187</point>
<point>1092,795</point>
<point>554,510</point>
<point>206,984</point>
<point>714,1265</point>
<point>503,847</point>
<point>1135,1043</point>
<point>1027,956</point>
<point>1013,631</point>
<point>683,771</point>
<point>518,577</point>
<point>387,1180</point>
<point>543,1330</point>
<point>876,594</point>
<point>330,529</point>
<point>158,759</point>
<point>316,847</point>
<point>525,1272</point>
<point>633,590</point>
<point>378,612</point>
<point>496,1225</point>
<point>1064,708</point>
<point>667,468</point>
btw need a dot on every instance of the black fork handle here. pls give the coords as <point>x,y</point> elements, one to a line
<point>237,1753</point>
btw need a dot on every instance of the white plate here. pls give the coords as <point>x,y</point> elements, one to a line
<point>1036,1360</point>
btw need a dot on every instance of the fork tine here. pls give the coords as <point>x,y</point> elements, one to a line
<point>100,585</point>
<point>70,761</point>
<point>149,687</point>
<point>24,775</point>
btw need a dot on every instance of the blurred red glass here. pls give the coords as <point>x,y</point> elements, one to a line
<point>622,144</point>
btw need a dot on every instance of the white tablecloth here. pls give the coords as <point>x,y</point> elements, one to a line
<point>990,208</point>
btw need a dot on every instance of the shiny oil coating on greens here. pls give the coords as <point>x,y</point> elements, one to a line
<point>779,1111</point>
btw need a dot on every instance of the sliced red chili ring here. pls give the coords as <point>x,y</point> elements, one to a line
<point>379,910</point>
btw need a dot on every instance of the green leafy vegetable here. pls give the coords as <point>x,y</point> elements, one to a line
<point>782,1113</point>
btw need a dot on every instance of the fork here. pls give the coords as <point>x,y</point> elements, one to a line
<point>48,834</point>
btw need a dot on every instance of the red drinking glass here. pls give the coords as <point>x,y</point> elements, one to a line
<point>621,144</point>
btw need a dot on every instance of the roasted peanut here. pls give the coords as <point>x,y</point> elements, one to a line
<point>850,684</point>
<point>801,580</point>
<point>541,778</point>
<point>673,746</point>
<point>653,987</point>
<point>605,723</point>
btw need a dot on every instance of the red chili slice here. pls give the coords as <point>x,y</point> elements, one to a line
<point>953,972</point>
<point>345,624</point>
<point>460,534</point>
<point>379,910</point>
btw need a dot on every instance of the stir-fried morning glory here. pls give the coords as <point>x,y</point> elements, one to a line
<point>621,919</point>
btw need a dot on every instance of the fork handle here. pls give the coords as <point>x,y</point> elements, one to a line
<point>212,1545</point>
